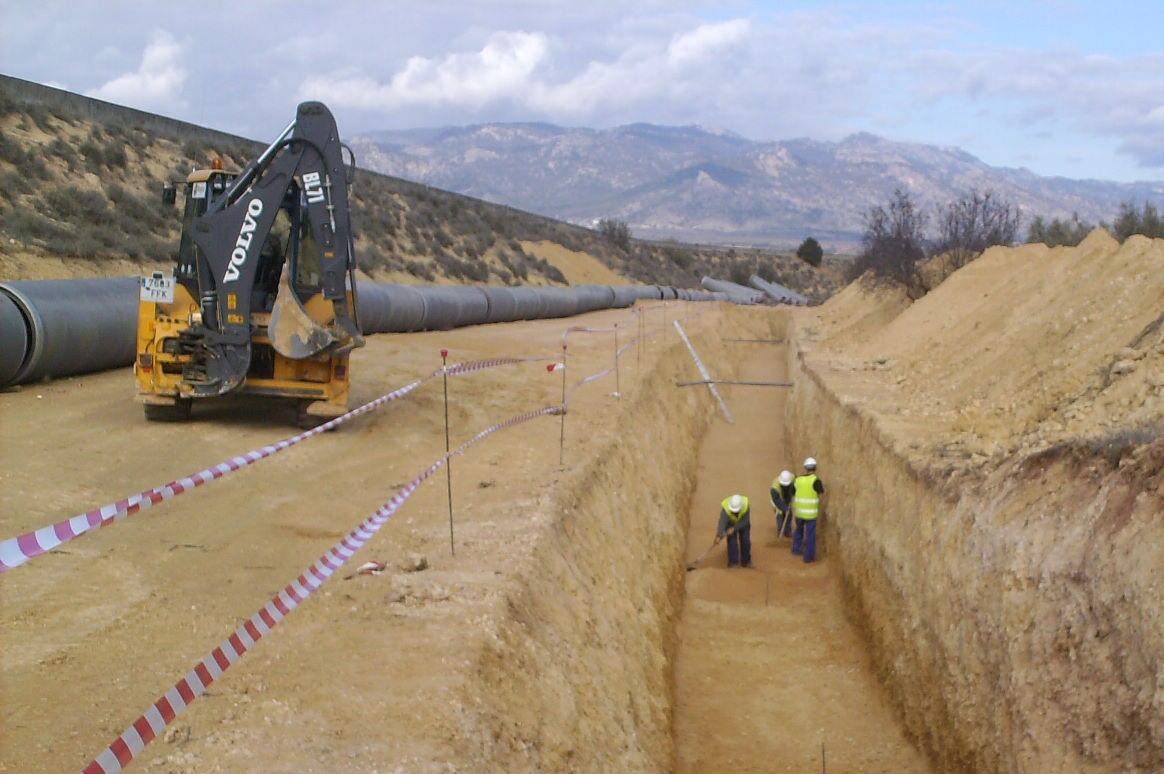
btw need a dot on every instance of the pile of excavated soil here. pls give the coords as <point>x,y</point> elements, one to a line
<point>543,644</point>
<point>1020,350</point>
<point>997,458</point>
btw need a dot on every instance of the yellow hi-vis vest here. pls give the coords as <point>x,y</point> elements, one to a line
<point>735,518</point>
<point>805,500</point>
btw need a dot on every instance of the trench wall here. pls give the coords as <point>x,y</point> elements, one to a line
<point>1018,625</point>
<point>577,673</point>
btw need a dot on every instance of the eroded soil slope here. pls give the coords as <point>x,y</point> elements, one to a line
<point>999,499</point>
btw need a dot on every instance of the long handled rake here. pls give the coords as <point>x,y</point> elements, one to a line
<point>695,562</point>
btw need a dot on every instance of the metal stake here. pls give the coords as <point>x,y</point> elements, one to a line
<point>449,460</point>
<point>639,348</point>
<point>617,383</point>
<point>562,439</point>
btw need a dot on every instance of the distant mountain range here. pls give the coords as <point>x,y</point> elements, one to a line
<point>695,184</point>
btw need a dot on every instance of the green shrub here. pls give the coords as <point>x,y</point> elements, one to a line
<point>72,204</point>
<point>811,252</point>
<point>93,155</point>
<point>114,154</point>
<point>10,150</point>
<point>418,269</point>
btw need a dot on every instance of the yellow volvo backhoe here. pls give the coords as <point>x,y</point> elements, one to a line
<point>262,296</point>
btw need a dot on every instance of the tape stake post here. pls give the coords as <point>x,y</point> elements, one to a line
<point>617,381</point>
<point>562,437</point>
<point>449,465</point>
<point>639,348</point>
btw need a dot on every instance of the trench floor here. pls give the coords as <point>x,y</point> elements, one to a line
<point>768,669</point>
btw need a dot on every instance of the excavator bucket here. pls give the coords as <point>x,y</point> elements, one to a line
<point>292,332</point>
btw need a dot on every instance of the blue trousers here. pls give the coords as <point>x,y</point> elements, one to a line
<point>740,546</point>
<point>805,538</point>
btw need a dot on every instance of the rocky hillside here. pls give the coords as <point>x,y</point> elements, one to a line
<point>692,184</point>
<point>80,184</point>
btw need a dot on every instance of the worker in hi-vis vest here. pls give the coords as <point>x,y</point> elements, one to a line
<point>735,523</point>
<point>781,496</point>
<point>807,490</point>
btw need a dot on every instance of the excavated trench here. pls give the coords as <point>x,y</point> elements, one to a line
<point>612,657</point>
<point>934,634</point>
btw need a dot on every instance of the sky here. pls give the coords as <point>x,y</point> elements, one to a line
<point>1060,87</point>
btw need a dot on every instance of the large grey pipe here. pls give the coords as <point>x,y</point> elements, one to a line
<point>776,291</point>
<point>737,294</point>
<point>70,327</point>
<point>13,339</point>
<point>51,328</point>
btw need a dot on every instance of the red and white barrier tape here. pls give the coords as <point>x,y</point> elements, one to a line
<point>608,371</point>
<point>585,329</point>
<point>133,740</point>
<point>18,550</point>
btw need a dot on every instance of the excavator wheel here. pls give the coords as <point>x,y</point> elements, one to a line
<point>179,412</point>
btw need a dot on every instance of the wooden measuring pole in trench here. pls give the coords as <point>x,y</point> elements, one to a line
<point>448,460</point>
<point>706,376</point>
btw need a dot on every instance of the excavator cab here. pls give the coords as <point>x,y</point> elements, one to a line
<point>262,297</point>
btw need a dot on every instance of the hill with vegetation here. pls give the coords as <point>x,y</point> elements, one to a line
<point>80,195</point>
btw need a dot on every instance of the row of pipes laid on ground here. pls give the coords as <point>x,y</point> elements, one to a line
<point>53,328</point>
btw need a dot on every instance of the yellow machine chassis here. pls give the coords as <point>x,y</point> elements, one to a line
<point>323,381</point>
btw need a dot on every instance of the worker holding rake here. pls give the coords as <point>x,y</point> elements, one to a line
<point>781,496</point>
<point>735,523</point>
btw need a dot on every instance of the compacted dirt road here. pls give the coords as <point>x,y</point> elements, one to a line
<point>768,670</point>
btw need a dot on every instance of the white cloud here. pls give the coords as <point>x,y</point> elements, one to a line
<point>515,67</point>
<point>502,69</point>
<point>1100,95</point>
<point>694,46</point>
<point>155,84</point>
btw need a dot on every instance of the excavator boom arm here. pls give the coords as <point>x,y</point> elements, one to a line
<point>305,162</point>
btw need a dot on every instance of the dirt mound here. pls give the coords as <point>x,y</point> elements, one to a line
<point>997,463</point>
<point>1020,350</point>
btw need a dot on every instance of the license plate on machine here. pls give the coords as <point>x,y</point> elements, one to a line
<point>159,289</point>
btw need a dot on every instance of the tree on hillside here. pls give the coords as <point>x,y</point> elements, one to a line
<point>893,242</point>
<point>1130,221</point>
<point>810,252</point>
<point>1059,233</point>
<point>617,231</point>
<point>976,221</point>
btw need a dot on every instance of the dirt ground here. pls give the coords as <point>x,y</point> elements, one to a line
<point>118,615</point>
<point>377,672</point>
<point>995,529</point>
<point>768,669</point>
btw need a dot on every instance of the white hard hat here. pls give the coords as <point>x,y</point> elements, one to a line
<point>786,477</point>
<point>735,504</point>
<point>810,463</point>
